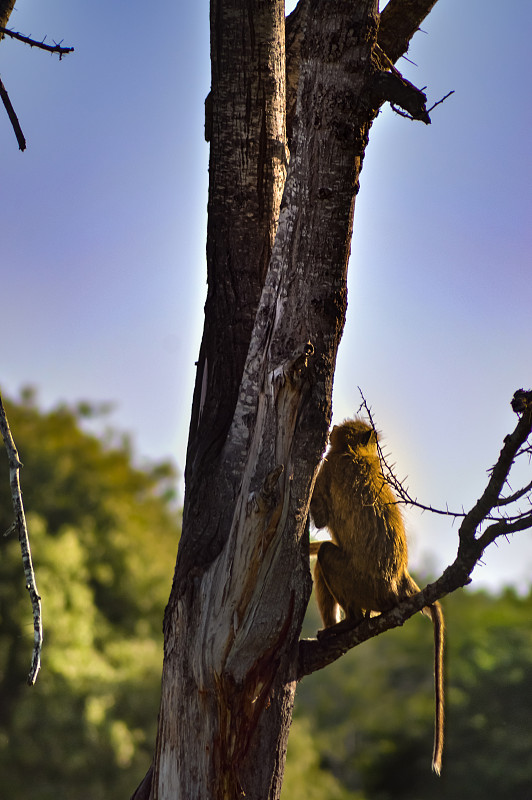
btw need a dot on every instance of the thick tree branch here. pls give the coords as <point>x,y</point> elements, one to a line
<point>50,48</point>
<point>400,19</point>
<point>20,526</point>
<point>315,654</point>
<point>398,91</point>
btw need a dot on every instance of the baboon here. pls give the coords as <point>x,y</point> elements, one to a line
<point>364,568</point>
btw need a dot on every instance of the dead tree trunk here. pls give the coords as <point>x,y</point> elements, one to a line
<point>262,405</point>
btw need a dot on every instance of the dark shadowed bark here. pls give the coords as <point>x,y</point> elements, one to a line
<point>6,7</point>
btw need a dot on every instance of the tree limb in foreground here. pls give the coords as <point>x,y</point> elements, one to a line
<point>50,48</point>
<point>20,526</point>
<point>315,654</point>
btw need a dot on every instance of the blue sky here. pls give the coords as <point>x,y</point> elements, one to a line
<point>103,241</point>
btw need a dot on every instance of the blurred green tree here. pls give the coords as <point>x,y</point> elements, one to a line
<point>104,533</point>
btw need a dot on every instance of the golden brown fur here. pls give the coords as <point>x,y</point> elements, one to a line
<point>364,567</point>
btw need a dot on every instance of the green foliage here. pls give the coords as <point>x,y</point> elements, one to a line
<point>369,716</point>
<point>305,779</point>
<point>104,536</point>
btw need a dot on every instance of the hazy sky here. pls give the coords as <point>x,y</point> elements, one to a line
<point>103,241</point>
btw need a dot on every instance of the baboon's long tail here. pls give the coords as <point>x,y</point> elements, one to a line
<point>436,614</point>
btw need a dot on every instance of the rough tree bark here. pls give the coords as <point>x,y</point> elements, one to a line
<point>274,316</point>
<point>6,7</point>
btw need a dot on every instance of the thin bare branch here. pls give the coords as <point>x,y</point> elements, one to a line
<point>503,528</point>
<point>12,117</point>
<point>444,98</point>
<point>505,501</point>
<point>50,48</point>
<point>21,527</point>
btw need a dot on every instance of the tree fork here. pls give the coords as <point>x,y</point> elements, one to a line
<point>242,579</point>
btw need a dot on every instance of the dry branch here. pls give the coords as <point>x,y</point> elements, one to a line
<point>12,117</point>
<point>20,526</point>
<point>398,91</point>
<point>50,48</point>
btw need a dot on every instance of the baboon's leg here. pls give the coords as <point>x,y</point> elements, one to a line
<point>326,602</point>
<point>341,580</point>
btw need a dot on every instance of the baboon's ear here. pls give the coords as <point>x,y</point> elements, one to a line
<point>369,438</point>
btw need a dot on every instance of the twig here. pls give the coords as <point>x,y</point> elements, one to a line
<point>51,48</point>
<point>504,501</point>
<point>20,525</point>
<point>440,101</point>
<point>409,116</point>
<point>12,116</point>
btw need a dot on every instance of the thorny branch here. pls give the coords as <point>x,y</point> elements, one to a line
<point>505,501</point>
<point>405,498</point>
<point>51,48</point>
<point>19,525</point>
<point>315,654</point>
